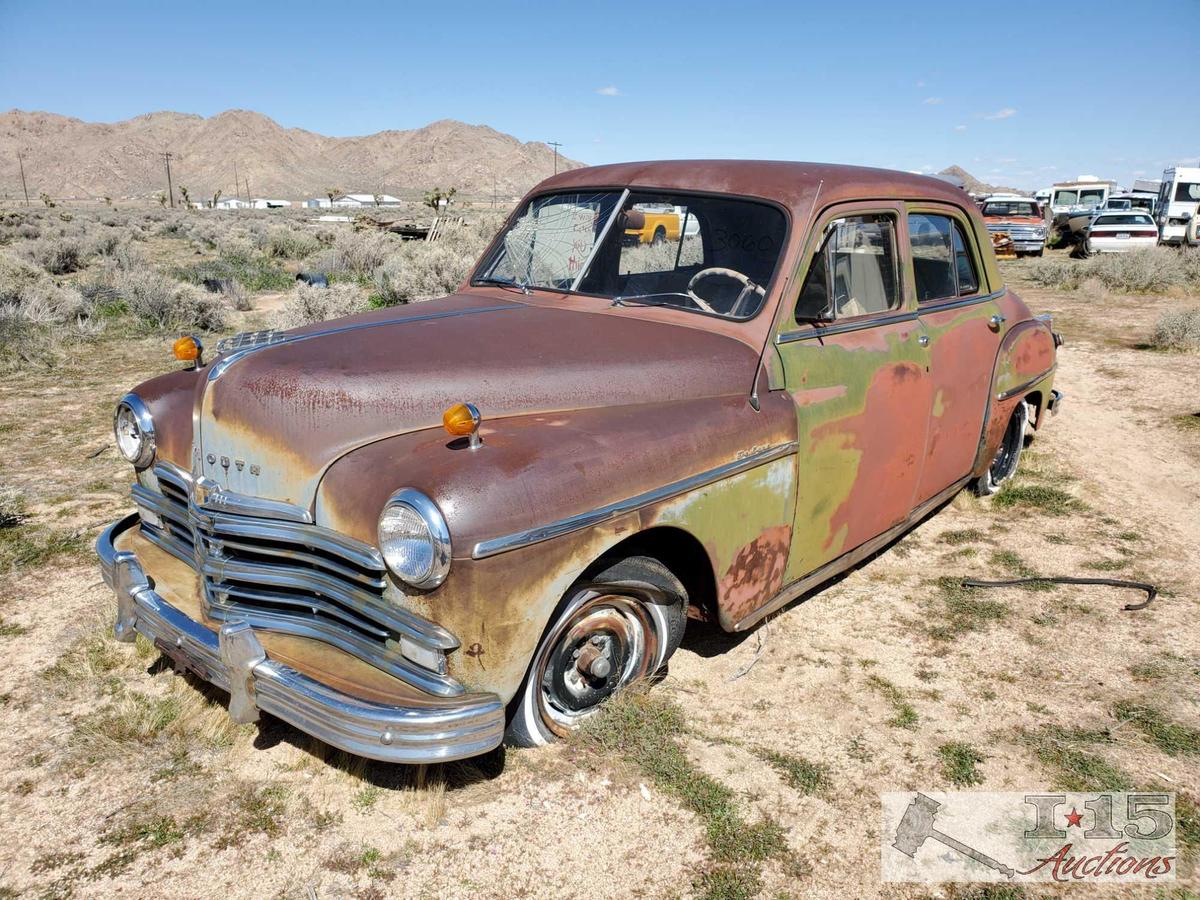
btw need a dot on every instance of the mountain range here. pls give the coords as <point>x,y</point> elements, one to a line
<point>69,158</point>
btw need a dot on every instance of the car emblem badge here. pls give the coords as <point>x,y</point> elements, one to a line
<point>239,464</point>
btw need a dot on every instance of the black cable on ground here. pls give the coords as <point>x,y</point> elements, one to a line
<point>1151,590</point>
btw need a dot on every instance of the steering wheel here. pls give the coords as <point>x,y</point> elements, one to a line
<point>749,288</point>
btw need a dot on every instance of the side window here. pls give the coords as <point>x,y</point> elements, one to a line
<point>854,273</point>
<point>933,261</point>
<point>968,281</point>
<point>942,263</point>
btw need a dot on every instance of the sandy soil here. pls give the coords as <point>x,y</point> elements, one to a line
<point>119,778</point>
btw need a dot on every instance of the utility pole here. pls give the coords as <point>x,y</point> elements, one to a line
<point>170,189</point>
<point>237,184</point>
<point>21,163</point>
<point>248,189</point>
<point>555,145</point>
<point>493,191</point>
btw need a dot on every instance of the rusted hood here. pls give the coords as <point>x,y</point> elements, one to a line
<point>286,412</point>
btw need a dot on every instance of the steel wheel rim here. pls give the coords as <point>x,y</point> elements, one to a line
<point>607,643</point>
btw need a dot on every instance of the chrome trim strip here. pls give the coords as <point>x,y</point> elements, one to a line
<point>819,576</point>
<point>484,549</point>
<point>823,331</point>
<point>217,368</point>
<point>432,729</point>
<point>1026,385</point>
<point>957,303</point>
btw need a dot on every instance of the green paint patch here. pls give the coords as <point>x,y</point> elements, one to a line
<point>1168,736</point>
<point>960,762</point>
<point>1050,500</point>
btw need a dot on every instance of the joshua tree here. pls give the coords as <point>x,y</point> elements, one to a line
<point>331,193</point>
<point>216,197</point>
<point>108,201</point>
<point>46,199</point>
<point>437,197</point>
<point>183,192</point>
<point>378,199</point>
<point>162,199</point>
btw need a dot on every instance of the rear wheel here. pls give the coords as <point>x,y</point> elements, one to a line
<point>611,630</point>
<point>660,235</point>
<point>1004,465</point>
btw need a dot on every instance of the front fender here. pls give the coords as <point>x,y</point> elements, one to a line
<point>533,471</point>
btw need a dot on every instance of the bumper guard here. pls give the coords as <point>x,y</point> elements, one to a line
<point>438,731</point>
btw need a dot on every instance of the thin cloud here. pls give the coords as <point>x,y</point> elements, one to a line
<point>1007,113</point>
<point>960,127</point>
<point>932,101</point>
<point>920,84</point>
<point>609,91</point>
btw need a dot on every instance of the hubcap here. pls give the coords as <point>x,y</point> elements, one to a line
<point>607,643</point>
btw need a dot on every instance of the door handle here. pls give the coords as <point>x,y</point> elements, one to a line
<point>923,340</point>
<point>996,321</point>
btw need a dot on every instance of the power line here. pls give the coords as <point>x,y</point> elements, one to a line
<point>555,145</point>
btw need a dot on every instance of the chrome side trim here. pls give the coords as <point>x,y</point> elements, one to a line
<point>847,560</point>
<point>431,729</point>
<point>217,368</point>
<point>817,332</point>
<point>939,305</point>
<point>484,549</point>
<point>1026,385</point>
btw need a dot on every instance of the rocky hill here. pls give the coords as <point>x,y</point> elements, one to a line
<point>67,157</point>
<point>974,185</point>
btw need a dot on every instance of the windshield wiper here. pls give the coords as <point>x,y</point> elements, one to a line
<point>622,299</point>
<point>507,283</point>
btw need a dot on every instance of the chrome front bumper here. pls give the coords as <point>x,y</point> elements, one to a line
<point>234,660</point>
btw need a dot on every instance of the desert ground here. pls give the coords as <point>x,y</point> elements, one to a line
<point>753,768</point>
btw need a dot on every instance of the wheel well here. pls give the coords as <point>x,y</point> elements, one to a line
<point>680,552</point>
<point>1034,399</point>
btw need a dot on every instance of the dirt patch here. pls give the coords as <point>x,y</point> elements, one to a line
<point>120,777</point>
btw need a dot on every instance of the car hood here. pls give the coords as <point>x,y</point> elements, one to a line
<point>273,418</point>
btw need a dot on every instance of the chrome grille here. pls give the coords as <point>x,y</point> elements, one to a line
<point>288,576</point>
<point>1018,232</point>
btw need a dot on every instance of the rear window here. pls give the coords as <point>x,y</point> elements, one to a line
<point>1127,219</point>
<point>1010,208</point>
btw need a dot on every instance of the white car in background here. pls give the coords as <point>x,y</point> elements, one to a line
<point>1120,232</point>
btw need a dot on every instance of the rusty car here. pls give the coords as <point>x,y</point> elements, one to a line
<point>417,532</point>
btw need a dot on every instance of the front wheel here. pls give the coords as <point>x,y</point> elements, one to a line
<point>1004,465</point>
<point>610,630</point>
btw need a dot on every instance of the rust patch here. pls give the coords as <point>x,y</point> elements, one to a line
<point>755,574</point>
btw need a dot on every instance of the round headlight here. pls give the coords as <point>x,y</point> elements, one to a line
<point>414,539</point>
<point>134,431</point>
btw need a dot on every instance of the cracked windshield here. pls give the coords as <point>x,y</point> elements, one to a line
<point>713,255</point>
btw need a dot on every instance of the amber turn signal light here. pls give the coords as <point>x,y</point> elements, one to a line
<point>462,420</point>
<point>188,349</point>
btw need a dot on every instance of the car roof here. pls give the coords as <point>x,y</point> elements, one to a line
<point>795,185</point>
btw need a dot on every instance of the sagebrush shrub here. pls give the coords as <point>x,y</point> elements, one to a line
<point>288,243</point>
<point>165,304</point>
<point>58,256</point>
<point>1150,271</point>
<point>1177,330</point>
<point>309,304</point>
<point>420,271</point>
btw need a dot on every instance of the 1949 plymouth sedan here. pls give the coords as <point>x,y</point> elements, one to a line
<point>414,532</point>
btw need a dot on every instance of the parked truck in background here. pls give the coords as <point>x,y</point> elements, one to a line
<point>1178,202</point>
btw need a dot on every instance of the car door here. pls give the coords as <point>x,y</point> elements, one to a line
<point>962,321</point>
<point>855,362</point>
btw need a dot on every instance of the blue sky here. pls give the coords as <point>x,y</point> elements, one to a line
<point>1015,92</point>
